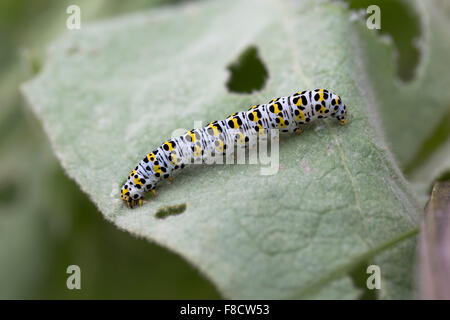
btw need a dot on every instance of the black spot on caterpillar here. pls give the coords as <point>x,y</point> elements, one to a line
<point>287,114</point>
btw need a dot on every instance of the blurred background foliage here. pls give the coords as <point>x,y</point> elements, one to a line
<point>47,223</point>
<point>403,26</point>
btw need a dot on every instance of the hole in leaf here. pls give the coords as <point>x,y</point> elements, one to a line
<point>174,210</point>
<point>403,25</point>
<point>247,73</point>
<point>359,276</point>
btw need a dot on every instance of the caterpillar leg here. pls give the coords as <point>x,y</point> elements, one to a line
<point>133,203</point>
<point>343,122</point>
<point>298,130</point>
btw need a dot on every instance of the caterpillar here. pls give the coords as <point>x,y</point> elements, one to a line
<point>287,114</point>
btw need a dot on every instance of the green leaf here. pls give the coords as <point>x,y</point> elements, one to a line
<point>113,91</point>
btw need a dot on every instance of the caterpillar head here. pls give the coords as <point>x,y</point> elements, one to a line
<point>133,190</point>
<point>342,115</point>
<point>339,110</point>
